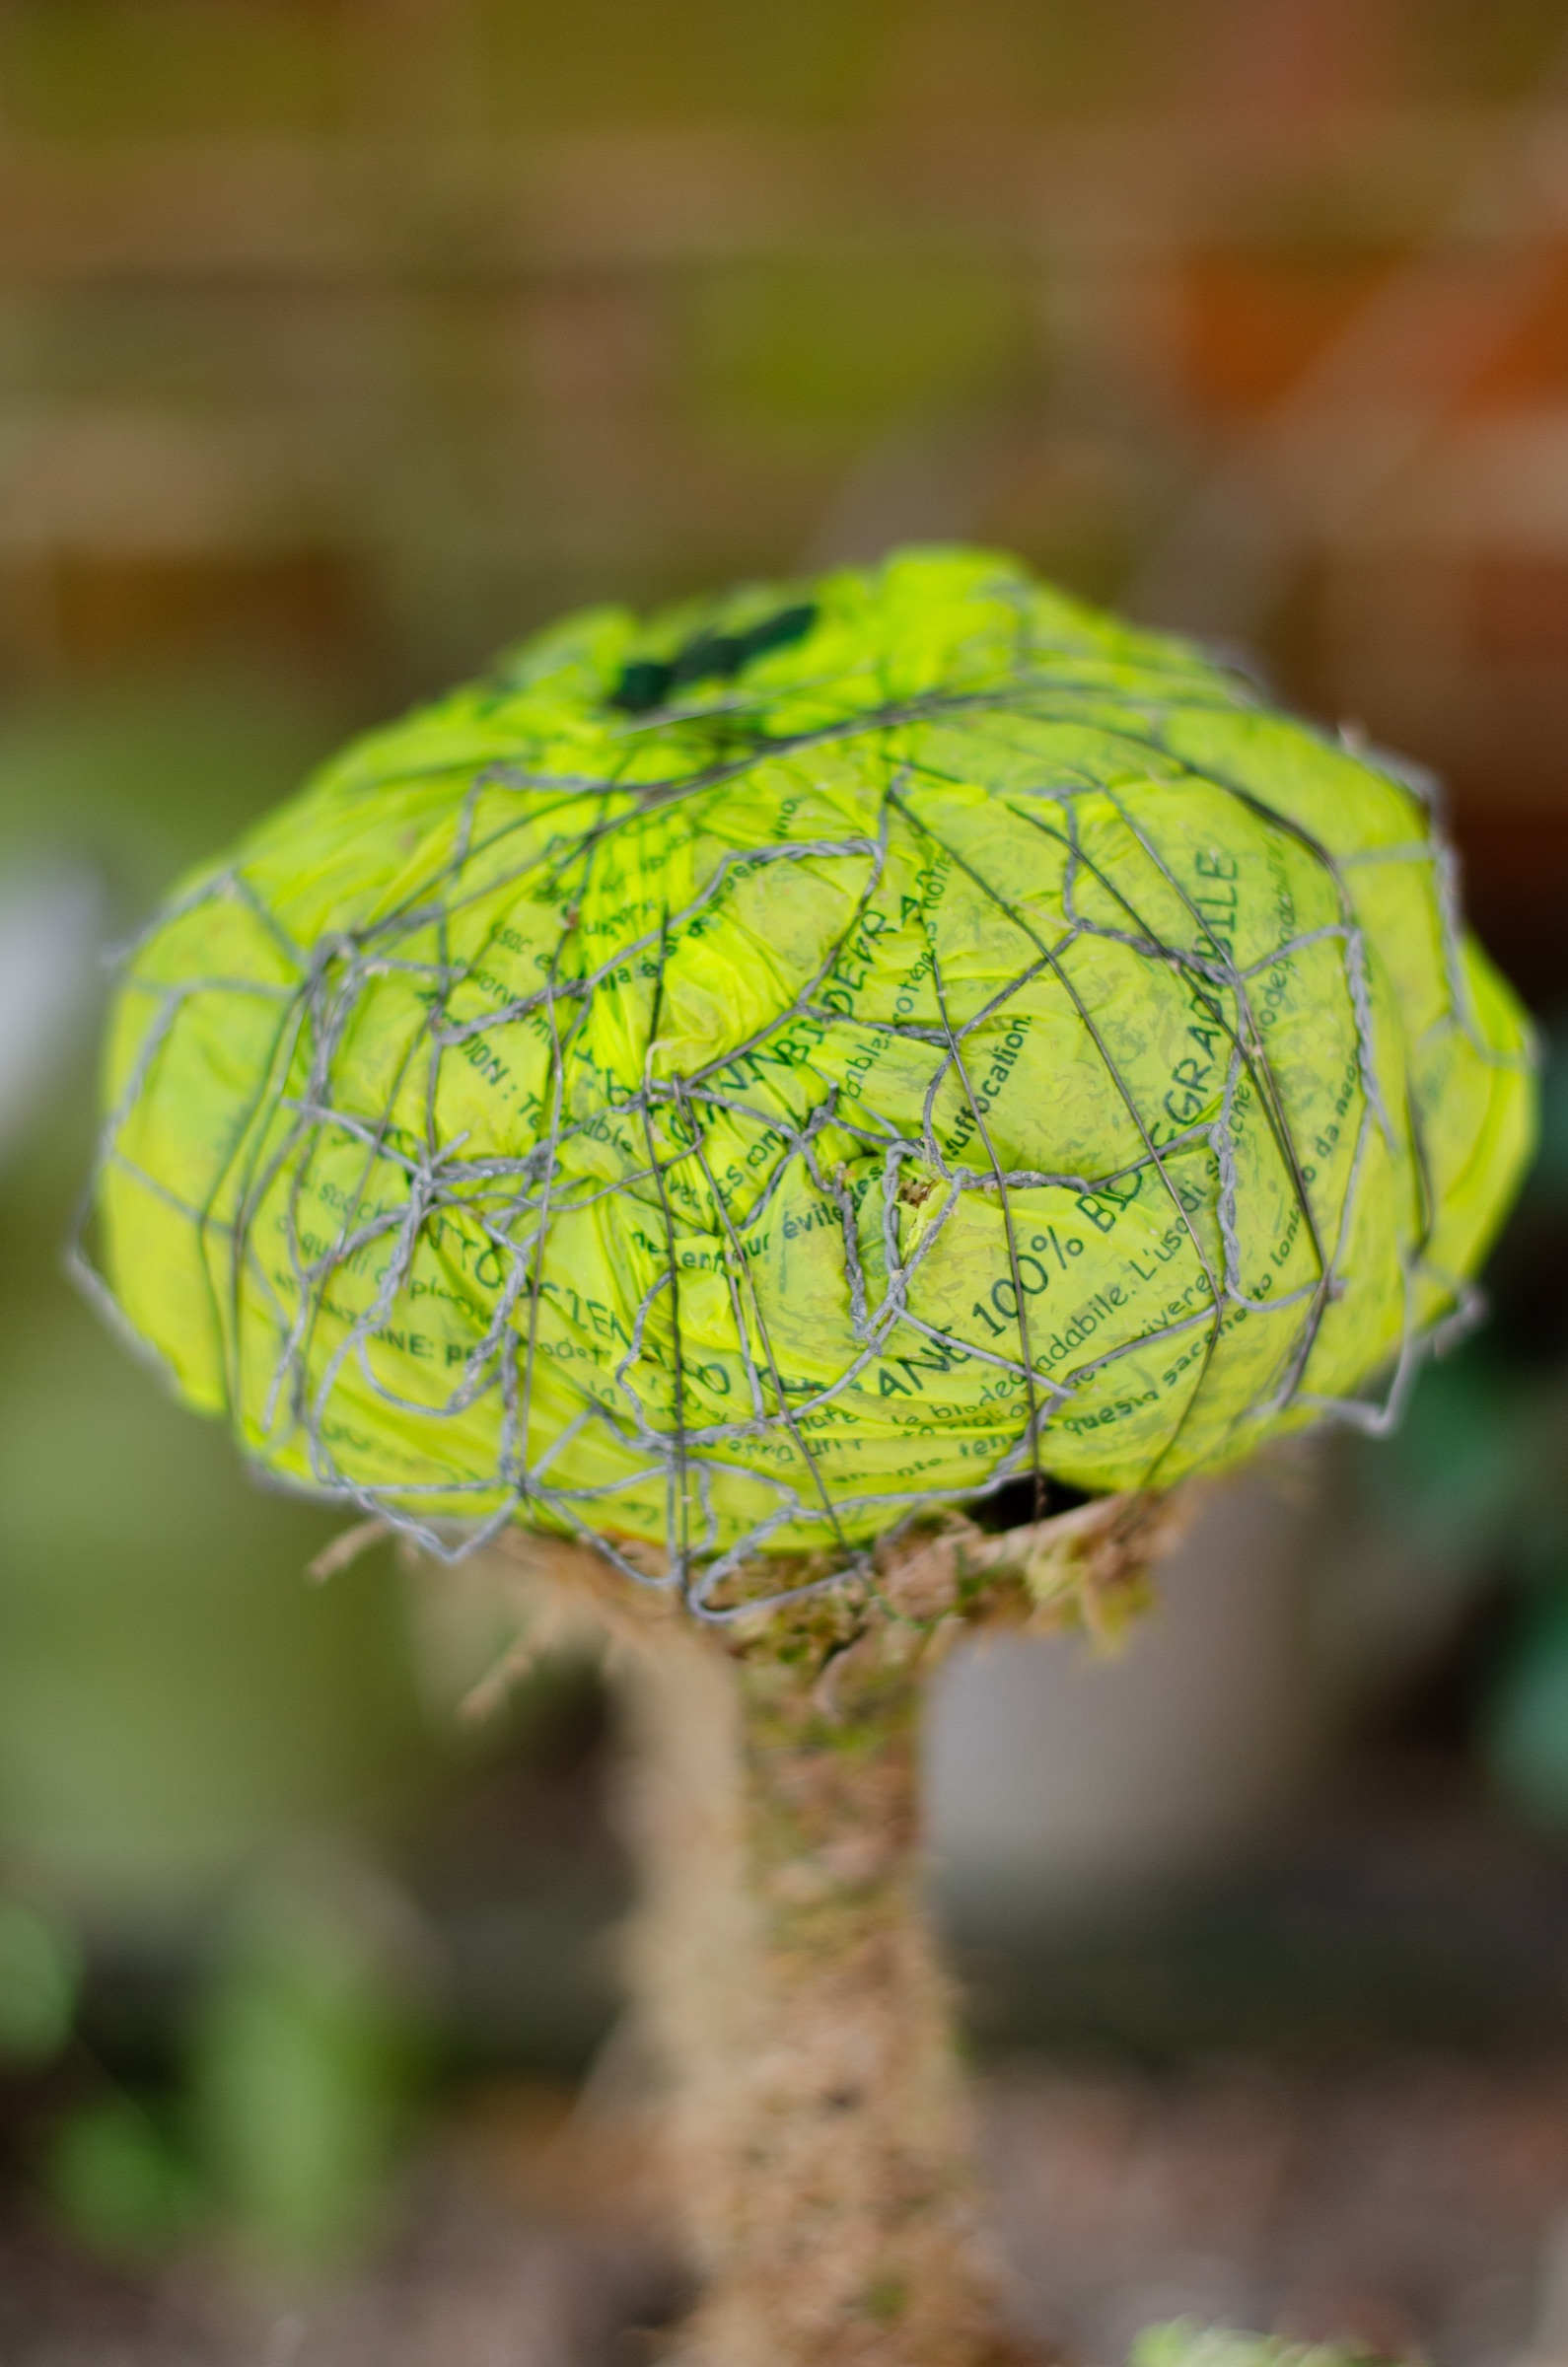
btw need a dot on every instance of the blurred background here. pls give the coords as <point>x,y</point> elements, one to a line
<point>343,341</point>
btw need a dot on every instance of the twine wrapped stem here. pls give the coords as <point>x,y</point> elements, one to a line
<point>786,1982</point>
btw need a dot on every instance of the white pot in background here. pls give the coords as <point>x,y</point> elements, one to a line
<point>1058,1778</point>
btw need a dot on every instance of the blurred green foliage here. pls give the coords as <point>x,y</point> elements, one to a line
<point>41,1973</point>
<point>1472,1493</point>
<point>1524,1730</point>
<point>172,1692</point>
<point>1186,2342</point>
<point>177,1701</point>
<point>305,2058</point>
<point>122,2180</point>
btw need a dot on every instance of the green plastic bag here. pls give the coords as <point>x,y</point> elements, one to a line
<point>727,1080</point>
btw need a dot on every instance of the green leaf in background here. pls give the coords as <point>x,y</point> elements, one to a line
<point>304,2067</point>
<point>1458,1467</point>
<point>121,2181</point>
<point>1186,2342</point>
<point>1524,1727</point>
<point>41,1973</point>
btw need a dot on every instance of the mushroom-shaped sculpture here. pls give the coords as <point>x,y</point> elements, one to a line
<point>714,1104</point>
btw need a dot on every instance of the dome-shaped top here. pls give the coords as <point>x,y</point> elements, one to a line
<point>728,1079</point>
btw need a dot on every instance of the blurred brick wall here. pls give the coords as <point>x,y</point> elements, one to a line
<point>360,334</point>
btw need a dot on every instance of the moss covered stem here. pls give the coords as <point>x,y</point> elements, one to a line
<point>817,2121</point>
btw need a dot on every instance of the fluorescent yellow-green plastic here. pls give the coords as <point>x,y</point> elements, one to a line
<point>730,1078</point>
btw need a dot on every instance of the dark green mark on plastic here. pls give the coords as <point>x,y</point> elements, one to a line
<point>648,682</point>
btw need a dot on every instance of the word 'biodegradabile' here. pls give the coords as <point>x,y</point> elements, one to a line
<point>729,1079</point>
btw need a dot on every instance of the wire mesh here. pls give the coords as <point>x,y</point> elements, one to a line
<point>727,1086</point>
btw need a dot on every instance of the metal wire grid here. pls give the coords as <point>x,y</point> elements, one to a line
<point>516,1199</point>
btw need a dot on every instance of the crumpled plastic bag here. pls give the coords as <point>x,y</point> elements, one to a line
<point>729,1078</point>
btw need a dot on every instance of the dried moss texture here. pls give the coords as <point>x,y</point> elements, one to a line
<point>818,2125</point>
<point>811,2113</point>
